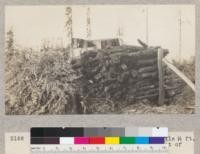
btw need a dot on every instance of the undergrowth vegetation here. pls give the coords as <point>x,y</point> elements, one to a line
<point>38,82</point>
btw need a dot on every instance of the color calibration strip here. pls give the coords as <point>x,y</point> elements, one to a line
<point>99,140</point>
<point>71,136</point>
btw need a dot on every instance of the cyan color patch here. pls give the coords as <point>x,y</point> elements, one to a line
<point>141,140</point>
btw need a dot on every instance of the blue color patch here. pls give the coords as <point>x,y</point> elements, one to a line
<point>142,140</point>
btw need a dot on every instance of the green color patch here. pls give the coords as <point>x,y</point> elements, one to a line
<point>127,140</point>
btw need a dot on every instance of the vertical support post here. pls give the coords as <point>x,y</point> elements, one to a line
<point>160,77</point>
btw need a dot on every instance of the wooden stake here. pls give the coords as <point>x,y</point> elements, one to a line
<point>160,75</point>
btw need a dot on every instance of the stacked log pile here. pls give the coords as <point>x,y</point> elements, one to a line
<point>124,74</point>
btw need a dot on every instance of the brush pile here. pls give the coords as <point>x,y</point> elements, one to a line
<point>38,82</point>
<point>124,74</point>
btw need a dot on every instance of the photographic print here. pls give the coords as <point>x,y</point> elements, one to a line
<point>99,59</point>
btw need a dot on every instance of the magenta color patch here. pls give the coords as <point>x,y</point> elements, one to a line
<point>81,140</point>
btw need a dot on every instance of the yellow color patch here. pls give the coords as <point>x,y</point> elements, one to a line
<point>112,140</point>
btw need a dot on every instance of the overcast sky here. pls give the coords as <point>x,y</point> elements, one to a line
<point>32,24</point>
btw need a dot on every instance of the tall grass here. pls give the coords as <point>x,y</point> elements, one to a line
<point>38,82</point>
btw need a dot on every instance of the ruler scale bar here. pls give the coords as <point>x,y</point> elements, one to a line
<point>100,149</point>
